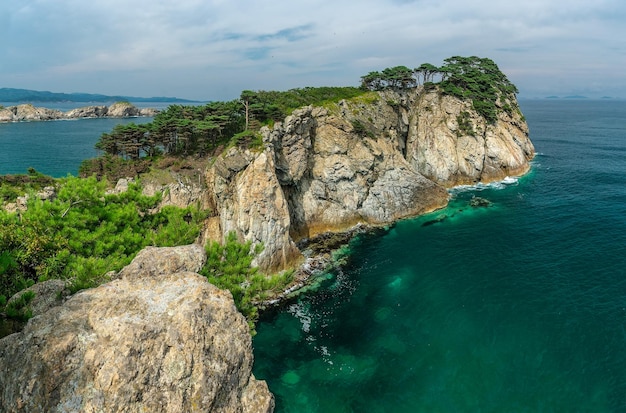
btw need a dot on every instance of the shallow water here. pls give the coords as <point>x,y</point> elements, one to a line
<point>520,306</point>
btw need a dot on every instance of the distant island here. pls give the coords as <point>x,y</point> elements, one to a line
<point>26,95</point>
<point>567,97</point>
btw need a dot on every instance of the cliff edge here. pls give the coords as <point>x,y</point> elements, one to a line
<point>370,160</point>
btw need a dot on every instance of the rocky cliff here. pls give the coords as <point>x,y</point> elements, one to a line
<point>28,112</point>
<point>370,160</point>
<point>159,338</point>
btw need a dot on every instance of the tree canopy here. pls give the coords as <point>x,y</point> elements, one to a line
<point>199,130</point>
<point>475,78</point>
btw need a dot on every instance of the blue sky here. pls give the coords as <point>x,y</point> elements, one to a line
<point>214,49</point>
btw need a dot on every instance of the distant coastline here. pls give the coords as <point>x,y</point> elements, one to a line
<point>35,96</point>
<point>28,112</point>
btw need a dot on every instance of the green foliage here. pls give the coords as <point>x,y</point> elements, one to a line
<point>397,78</point>
<point>465,125</point>
<point>480,80</point>
<point>361,129</point>
<point>186,131</point>
<point>18,308</point>
<point>474,78</point>
<point>248,139</point>
<point>85,233</point>
<point>113,167</point>
<point>9,192</point>
<point>12,186</point>
<point>229,266</point>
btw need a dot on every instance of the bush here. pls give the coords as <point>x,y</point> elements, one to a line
<point>18,308</point>
<point>465,125</point>
<point>229,266</point>
<point>85,233</point>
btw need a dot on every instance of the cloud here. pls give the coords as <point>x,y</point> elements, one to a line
<point>214,49</point>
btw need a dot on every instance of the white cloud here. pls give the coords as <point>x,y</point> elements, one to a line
<point>214,49</point>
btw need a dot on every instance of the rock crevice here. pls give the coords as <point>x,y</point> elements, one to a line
<point>371,161</point>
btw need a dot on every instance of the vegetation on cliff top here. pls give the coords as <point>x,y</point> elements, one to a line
<point>84,232</point>
<point>473,78</point>
<point>205,130</point>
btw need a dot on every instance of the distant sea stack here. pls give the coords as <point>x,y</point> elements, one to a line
<point>28,112</point>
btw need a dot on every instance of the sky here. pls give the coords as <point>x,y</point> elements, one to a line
<point>213,49</point>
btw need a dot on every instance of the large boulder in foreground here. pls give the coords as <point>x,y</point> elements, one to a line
<point>151,341</point>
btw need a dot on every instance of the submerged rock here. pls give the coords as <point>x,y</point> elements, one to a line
<point>478,202</point>
<point>157,339</point>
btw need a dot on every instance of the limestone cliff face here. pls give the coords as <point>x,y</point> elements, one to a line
<point>159,339</point>
<point>250,201</point>
<point>372,161</point>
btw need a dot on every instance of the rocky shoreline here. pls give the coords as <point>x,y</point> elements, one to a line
<point>159,337</point>
<point>28,113</point>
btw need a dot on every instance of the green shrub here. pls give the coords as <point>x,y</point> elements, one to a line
<point>85,233</point>
<point>229,266</point>
<point>466,128</point>
<point>18,308</point>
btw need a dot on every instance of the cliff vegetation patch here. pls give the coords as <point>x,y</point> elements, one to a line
<point>84,233</point>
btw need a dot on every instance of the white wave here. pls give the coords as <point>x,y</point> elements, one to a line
<point>302,314</point>
<point>507,181</point>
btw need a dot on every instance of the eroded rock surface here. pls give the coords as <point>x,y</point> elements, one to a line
<point>369,162</point>
<point>159,339</point>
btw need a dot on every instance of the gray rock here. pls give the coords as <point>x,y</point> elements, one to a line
<point>318,173</point>
<point>156,261</point>
<point>153,341</point>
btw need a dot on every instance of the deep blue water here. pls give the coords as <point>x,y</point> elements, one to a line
<point>518,307</point>
<point>57,148</point>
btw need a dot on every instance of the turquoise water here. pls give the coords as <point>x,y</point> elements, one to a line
<point>54,148</point>
<point>516,307</point>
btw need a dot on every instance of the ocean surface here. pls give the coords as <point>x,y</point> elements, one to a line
<point>58,147</point>
<point>516,307</point>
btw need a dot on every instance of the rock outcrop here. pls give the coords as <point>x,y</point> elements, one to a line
<point>160,339</point>
<point>365,161</point>
<point>28,112</point>
<point>446,152</point>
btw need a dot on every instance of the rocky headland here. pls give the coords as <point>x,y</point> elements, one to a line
<point>28,112</point>
<point>161,338</point>
<point>368,162</point>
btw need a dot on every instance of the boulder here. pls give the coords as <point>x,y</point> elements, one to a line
<point>158,339</point>
<point>87,112</point>
<point>156,261</point>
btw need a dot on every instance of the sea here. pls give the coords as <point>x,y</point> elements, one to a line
<point>57,148</point>
<point>518,305</point>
